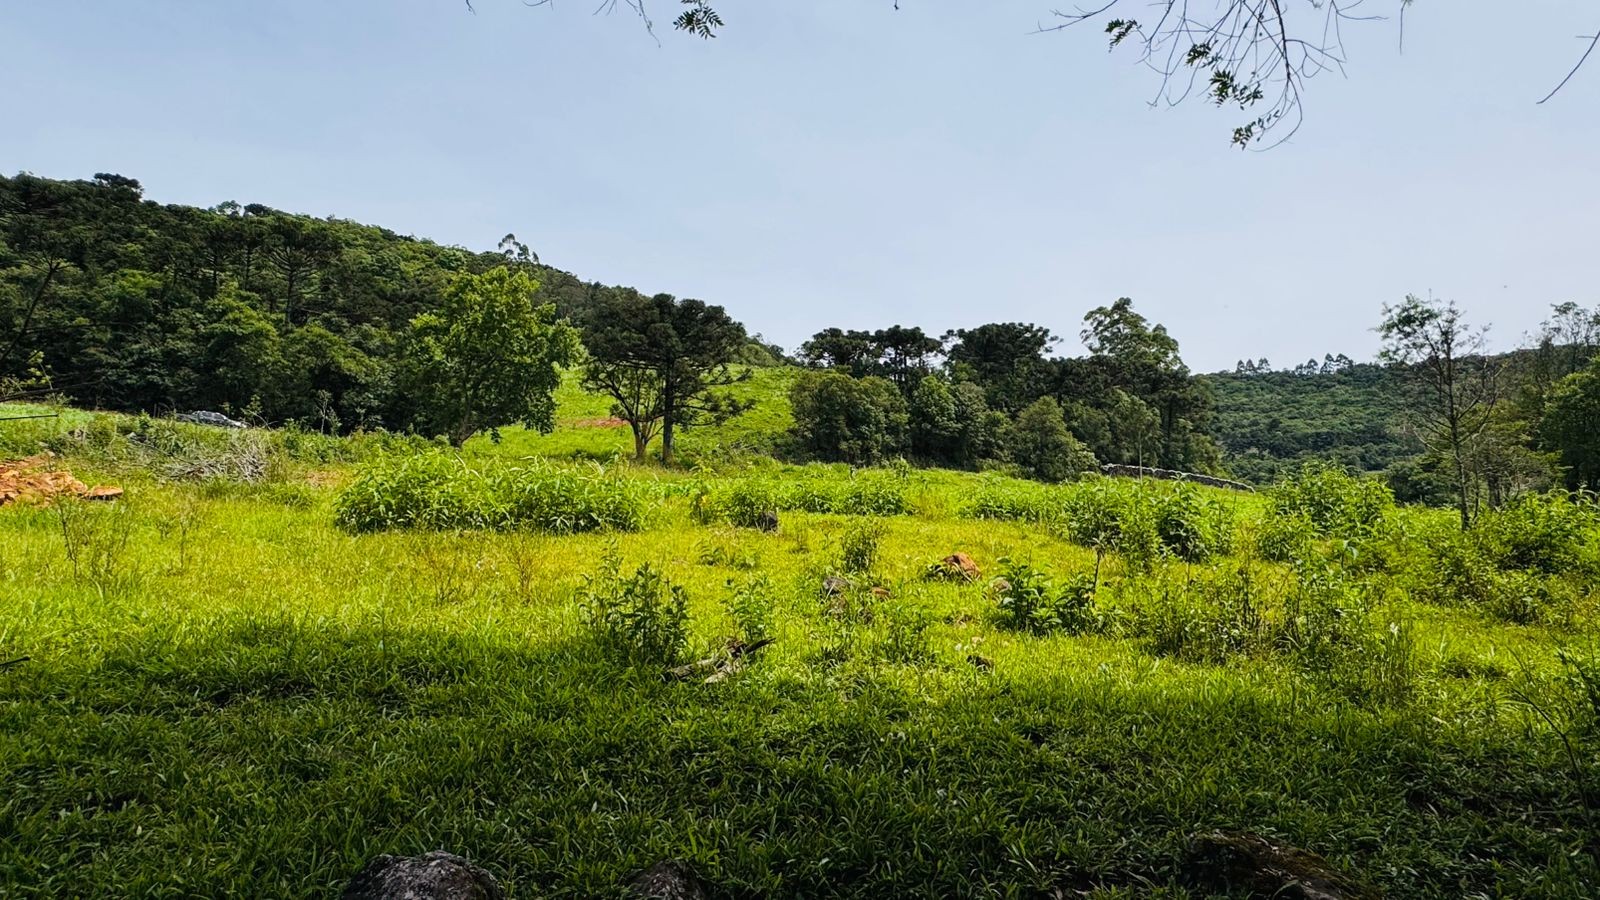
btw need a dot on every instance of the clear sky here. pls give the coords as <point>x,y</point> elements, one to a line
<point>839,162</point>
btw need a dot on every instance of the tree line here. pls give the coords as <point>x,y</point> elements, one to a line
<point>115,302</point>
<point>996,395</point>
<point>112,301</point>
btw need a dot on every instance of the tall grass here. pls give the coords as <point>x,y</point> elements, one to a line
<point>439,491</point>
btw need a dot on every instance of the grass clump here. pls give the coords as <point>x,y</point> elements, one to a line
<point>1016,500</point>
<point>437,491</point>
<point>755,501</point>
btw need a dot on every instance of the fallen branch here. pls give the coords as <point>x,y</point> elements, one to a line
<point>14,662</point>
<point>720,667</point>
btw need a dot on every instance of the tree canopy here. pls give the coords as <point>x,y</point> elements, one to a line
<point>660,359</point>
<point>490,357</point>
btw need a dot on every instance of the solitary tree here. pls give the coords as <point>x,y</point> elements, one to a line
<point>490,357</point>
<point>661,360</point>
<point>1461,383</point>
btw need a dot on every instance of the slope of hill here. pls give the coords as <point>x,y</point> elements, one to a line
<point>117,302</point>
<point>1267,423</point>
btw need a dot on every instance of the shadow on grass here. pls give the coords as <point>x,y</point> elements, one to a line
<point>274,758</point>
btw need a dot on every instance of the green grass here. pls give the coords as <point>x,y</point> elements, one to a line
<point>226,694</point>
<point>582,431</point>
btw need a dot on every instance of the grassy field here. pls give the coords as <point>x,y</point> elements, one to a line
<point>225,692</point>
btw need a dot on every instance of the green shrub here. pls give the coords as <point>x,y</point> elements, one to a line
<point>1336,503</point>
<point>1193,526</point>
<point>440,492</point>
<point>870,495</point>
<point>1043,445</point>
<point>428,490</point>
<point>638,619</point>
<point>1015,500</point>
<point>1034,602</point>
<point>1144,520</point>
<point>838,418</point>
<point>1286,536</point>
<point>1551,533</point>
<point>750,502</point>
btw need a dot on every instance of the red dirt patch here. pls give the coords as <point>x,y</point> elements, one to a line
<point>38,480</point>
<point>608,422</point>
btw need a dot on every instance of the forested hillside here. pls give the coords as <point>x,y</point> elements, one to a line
<point>117,302</point>
<point>1269,422</point>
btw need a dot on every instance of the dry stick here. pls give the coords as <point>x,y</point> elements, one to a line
<point>13,662</point>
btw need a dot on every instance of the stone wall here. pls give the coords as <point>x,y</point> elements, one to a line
<point>1119,471</point>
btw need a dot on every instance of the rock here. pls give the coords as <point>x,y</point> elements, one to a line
<point>962,565</point>
<point>767,521</point>
<point>205,417</point>
<point>834,585</point>
<point>882,593</point>
<point>1250,862</point>
<point>431,876</point>
<point>102,492</point>
<point>668,880</point>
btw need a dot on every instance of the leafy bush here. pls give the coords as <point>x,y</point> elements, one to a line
<point>1336,503</point>
<point>1144,520</point>
<point>638,619</point>
<point>1042,444</point>
<point>1550,533</point>
<point>870,495</point>
<point>1034,602</point>
<point>438,491</point>
<point>1192,525</point>
<point>844,419</point>
<point>1530,562</point>
<point>746,503</point>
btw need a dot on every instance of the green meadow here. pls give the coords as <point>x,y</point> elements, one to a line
<point>281,654</point>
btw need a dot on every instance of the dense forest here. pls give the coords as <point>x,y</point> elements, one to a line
<point>111,301</point>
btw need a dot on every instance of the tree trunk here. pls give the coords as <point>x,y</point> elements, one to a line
<point>33,306</point>
<point>668,403</point>
<point>640,442</point>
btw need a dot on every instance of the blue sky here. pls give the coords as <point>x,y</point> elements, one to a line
<point>838,162</point>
